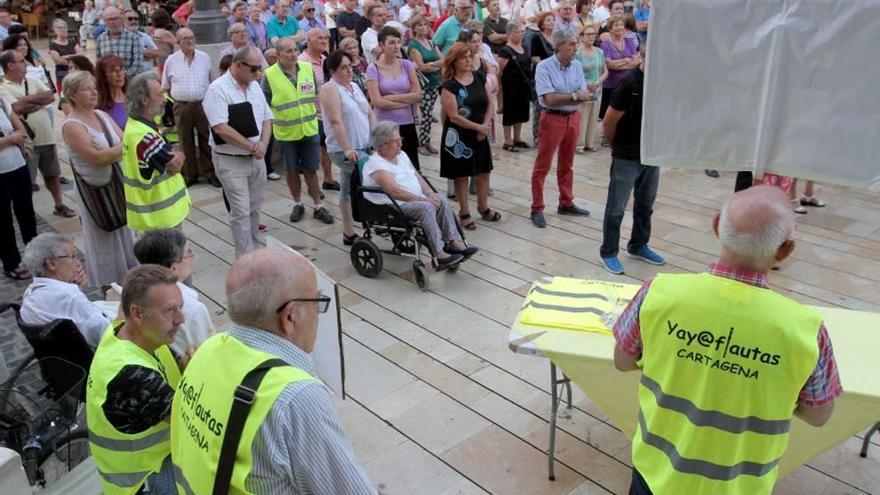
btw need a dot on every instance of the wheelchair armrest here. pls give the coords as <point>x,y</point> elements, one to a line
<point>372,189</point>
<point>9,305</point>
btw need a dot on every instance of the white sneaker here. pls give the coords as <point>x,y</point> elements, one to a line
<point>273,176</point>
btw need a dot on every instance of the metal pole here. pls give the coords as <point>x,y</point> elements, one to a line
<point>208,23</point>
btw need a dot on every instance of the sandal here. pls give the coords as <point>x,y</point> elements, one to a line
<point>812,201</point>
<point>522,144</point>
<point>472,225</point>
<point>510,147</point>
<point>64,211</point>
<point>349,240</point>
<point>490,215</point>
<point>797,208</point>
<point>18,273</point>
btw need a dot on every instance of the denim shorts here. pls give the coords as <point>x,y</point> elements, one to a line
<point>347,168</point>
<point>300,156</point>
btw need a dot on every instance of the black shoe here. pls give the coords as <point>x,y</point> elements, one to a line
<point>190,181</point>
<point>466,252</point>
<point>64,180</point>
<point>323,215</point>
<point>538,219</point>
<point>214,181</point>
<point>297,213</point>
<point>712,173</point>
<point>522,144</point>
<point>573,210</point>
<point>349,241</point>
<point>448,261</point>
<point>35,187</point>
<point>330,186</point>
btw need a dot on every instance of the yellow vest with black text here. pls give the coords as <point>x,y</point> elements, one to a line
<point>293,107</point>
<point>158,203</point>
<point>125,460</point>
<point>201,407</point>
<point>723,363</point>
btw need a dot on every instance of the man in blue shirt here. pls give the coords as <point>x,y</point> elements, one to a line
<point>283,25</point>
<point>642,13</point>
<point>5,22</point>
<point>447,33</point>
<point>561,88</point>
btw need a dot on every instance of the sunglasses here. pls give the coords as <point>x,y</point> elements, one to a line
<point>131,18</point>
<point>254,68</point>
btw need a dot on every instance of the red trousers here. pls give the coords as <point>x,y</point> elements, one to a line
<point>558,132</point>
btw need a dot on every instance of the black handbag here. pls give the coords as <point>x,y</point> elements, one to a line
<point>105,204</point>
<point>533,93</point>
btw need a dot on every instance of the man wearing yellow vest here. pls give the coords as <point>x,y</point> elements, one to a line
<point>155,193</point>
<point>262,423</point>
<point>291,91</point>
<point>131,383</point>
<point>726,362</point>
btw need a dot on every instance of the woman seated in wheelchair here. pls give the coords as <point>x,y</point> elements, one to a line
<point>390,169</point>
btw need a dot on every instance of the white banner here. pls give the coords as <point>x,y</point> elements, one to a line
<point>327,354</point>
<point>784,86</point>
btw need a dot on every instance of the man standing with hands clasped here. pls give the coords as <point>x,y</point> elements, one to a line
<point>561,87</point>
<point>241,122</point>
<point>623,129</point>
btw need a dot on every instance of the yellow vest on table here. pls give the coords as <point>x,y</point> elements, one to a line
<point>201,407</point>
<point>723,364</point>
<point>125,460</point>
<point>158,203</point>
<point>293,107</point>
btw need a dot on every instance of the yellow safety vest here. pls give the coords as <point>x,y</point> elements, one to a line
<point>574,304</point>
<point>159,203</point>
<point>170,132</point>
<point>201,407</point>
<point>125,460</point>
<point>723,363</point>
<point>293,107</point>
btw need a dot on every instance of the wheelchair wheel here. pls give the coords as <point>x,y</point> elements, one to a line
<point>421,275</point>
<point>366,258</point>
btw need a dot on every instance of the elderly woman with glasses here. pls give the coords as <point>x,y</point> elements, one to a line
<point>61,49</point>
<point>391,170</point>
<point>55,292</point>
<point>593,61</point>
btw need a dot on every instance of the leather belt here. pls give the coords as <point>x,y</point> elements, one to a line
<point>553,111</point>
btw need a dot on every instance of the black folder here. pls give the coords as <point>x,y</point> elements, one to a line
<point>241,118</point>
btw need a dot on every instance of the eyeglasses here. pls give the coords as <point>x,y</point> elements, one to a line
<point>322,300</point>
<point>71,256</point>
<point>254,68</point>
<point>131,18</point>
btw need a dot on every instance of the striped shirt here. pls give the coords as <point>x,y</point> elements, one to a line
<point>188,80</point>
<point>300,447</point>
<point>822,387</point>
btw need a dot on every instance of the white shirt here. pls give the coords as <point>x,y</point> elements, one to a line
<point>512,10</point>
<point>48,299</point>
<point>404,175</point>
<point>225,91</point>
<point>188,81</point>
<point>10,156</point>
<point>197,325</point>
<point>533,7</point>
<point>369,40</point>
<point>405,13</point>
<point>601,14</point>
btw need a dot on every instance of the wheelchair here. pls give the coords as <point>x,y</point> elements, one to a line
<point>388,221</point>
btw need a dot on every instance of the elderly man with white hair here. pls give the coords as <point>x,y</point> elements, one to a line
<point>56,291</point>
<point>238,39</point>
<point>447,33</point>
<point>292,437</point>
<point>726,362</point>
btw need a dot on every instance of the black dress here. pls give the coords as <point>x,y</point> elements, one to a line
<point>461,155</point>
<point>515,86</point>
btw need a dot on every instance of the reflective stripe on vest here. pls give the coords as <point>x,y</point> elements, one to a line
<point>570,303</point>
<point>125,460</point>
<point>160,202</point>
<point>201,407</point>
<point>723,364</point>
<point>293,106</point>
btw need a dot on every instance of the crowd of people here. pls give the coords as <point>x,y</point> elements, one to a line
<point>302,87</point>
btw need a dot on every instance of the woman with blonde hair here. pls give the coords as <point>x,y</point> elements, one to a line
<point>358,65</point>
<point>94,145</point>
<point>467,112</point>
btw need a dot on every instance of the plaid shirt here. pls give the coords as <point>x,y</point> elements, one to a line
<point>822,387</point>
<point>126,46</point>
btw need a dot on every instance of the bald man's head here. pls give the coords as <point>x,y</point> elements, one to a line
<point>755,224</point>
<point>259,289</point>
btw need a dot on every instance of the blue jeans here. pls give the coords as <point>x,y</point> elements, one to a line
<point>627,175</point>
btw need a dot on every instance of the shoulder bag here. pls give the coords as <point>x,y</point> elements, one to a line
<point>533,93</point>
<point>105,204</point>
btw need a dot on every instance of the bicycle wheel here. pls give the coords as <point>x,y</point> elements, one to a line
<point>69,451</point>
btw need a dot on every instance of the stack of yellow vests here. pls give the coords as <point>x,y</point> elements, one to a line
<point>575,304</point>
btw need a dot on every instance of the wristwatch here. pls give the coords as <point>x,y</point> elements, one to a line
<point>574,97</point>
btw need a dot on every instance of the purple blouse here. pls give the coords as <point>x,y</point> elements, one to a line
<point>611,53</point>
<point>118,114</point>
<point>398,86</point>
